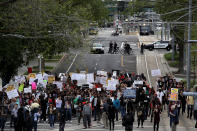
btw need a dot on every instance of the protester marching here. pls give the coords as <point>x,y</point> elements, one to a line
<point>102,96</point>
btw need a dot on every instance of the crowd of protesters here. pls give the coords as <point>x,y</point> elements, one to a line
<point>50,105</point>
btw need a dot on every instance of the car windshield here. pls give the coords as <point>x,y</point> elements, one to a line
<point>97,45</point>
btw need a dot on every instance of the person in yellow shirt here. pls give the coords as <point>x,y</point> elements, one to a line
<point>190,105</point>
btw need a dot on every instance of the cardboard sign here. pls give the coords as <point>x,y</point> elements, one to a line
<point>51,79</point>
<point>90,78</point>
<point>10,88</point>
<point>32,75</point>
<point>12,94</point>
<point>175,90</point>
<point>129,93</point>
<point>27,90</point>
<point>173,97</point>
<point>156,72</point>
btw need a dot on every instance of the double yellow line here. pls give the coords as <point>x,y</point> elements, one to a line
<point>122,60</point>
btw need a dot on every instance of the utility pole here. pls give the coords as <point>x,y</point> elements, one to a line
<point>189,46</point>
<point>173,47</point>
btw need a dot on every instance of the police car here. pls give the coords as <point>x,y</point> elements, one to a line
<point>159,45</point>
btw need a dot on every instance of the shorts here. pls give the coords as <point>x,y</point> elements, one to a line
<point>195,115</point>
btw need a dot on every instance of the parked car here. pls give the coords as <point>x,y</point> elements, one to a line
<point>159,45</point>
<point>97,48</point>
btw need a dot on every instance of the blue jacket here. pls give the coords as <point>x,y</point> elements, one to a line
<point>116,104</point>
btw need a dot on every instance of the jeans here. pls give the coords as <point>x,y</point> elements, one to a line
<point>116,114</point>
<point>189,111</point>
<point>35,125</point>
<point>51,120</point>
<point>68,114</point>
<point>87,118</point>
<point>12,121</point>
<point>173,127</point>
<point>122,111</point>
<point>2,123</point>
<point>96,114</point>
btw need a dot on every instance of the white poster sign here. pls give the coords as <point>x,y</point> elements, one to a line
<point>112,85</point>
<point>27,90</point>
<point>103,80</point>
<point>103,73</point>
<point>59,84</point>
<point>12,94</point>
<point>78,76</point>
<point>39,77</point>
<point>156,72</point>
<point>98,89</point>
<point>90,78</point>
<point>138,82</point>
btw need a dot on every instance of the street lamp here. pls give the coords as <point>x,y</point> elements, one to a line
<point>40,65</point>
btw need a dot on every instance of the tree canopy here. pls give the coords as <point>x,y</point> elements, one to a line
<point>47,27</point>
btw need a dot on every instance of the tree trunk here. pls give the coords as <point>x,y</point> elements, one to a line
<point>181,56</point>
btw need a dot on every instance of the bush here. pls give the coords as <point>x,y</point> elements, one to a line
<point>173,63</point>
<point>168,56</point>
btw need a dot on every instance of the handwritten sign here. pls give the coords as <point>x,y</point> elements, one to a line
<point>12,94</point>
<point>138,82</point>
<point>173,97</point>
<point>102,73</point>
<point>51,79</point>
<point>156,72</point>
<point>174,90</point>
<point>27,90</point>
<point>10,88</point>
<point>98,89</point>
<point>129,93</point>
<point>32,75</point>
<point>90,78</point>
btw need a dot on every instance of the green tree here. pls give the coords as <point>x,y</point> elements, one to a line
<point>47,27</point>
<point>169,10</point>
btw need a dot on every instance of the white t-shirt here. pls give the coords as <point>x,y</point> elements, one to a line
<point>58,103</point>
<point>160,95</point>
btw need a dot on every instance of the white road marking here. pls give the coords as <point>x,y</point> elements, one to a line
<point>137,65</point>
<point>147,71</point>
<point>72,63</point>
<point>156,60</point>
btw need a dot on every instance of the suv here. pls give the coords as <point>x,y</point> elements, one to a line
<point>97,48</point>
<point>159,45</point>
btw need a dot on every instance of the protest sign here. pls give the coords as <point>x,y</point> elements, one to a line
<point>98,89</point>
<point>32,75</point>
<point>10,88</point>
<point>103,80</point>
<point>19,79</point>
<point>137,82</point>
<point>156,72</point>
<point>59,84</point>
<point>20,89</point>
<point>102,73</point>
<point>90,78</point>
<point>112,85</point>
<point>173,97</point>
<point>129,93</point>
<point>175,90</point>
<point>51,79</point>
<point>78,76</point>
<point>31,80</point>
<point>33,85</point>
<point>12,94</point>
<point>27,90</point>
<point>114,73</point>
<point>39,77</point>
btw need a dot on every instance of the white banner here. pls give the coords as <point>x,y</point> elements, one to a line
<point>156,72</point>
<point>138,82</point>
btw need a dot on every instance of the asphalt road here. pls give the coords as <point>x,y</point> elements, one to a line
<point>108,62</point>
